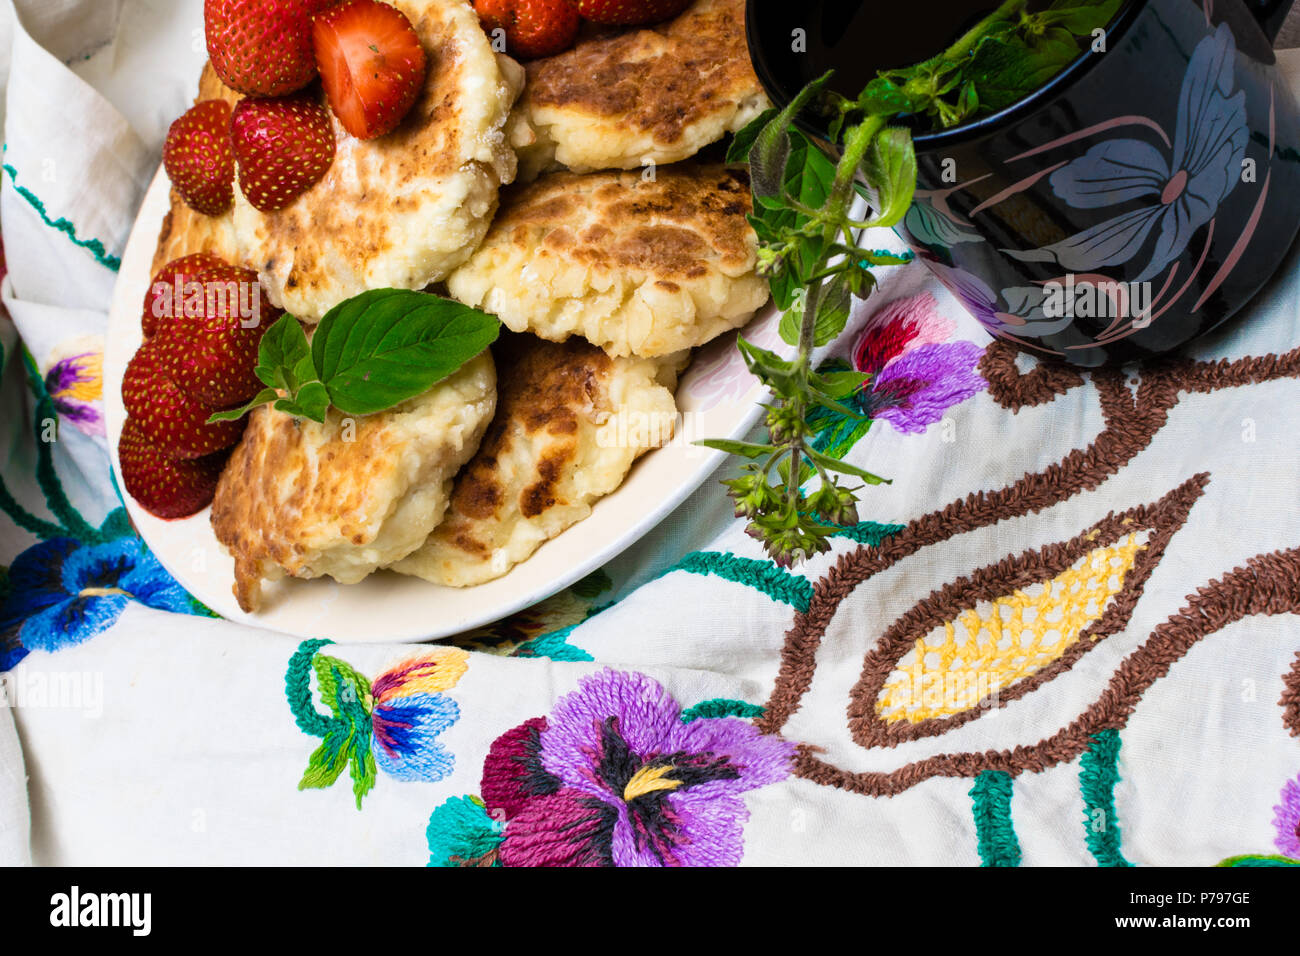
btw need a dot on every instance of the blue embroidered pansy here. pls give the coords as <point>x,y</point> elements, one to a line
<point>1180,192</point>
<point>61,592</point>
<point>390,724</point>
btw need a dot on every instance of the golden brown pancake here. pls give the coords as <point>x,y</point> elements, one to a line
<point>402,210</point>
<point>637,266</point>
<point>659,94</point>
<point>348,496</point>
<point>184,231</point>
<point>570,421</point>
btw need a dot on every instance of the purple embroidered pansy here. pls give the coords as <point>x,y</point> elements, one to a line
<point>1287,820</point>
<point>1180,192</point>
<point>915,374</point>
<point>76,385</point>
<point>615,777</point>
<point>390,724</point>
<point>61,592</point>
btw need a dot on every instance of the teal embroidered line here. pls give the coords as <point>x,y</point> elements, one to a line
<point>1250,859</point>
<point>46,477</point>
<point>998,845</point>
<point>93,246</point>
<point>722,707</point>
<point>776,583</point>
<point>297,688</point>
<point>1098,774</point>
<point>869,532</point>
<point>554,645</point>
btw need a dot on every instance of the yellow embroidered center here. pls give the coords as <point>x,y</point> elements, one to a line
<point>649,779</point>
<point>965,661</point>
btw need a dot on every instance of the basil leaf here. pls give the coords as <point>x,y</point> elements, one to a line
<point>744,448</point>
<point>389,345</point>
<point>890,168</point>
<point>738,150</point>
<point>284,348</point>
<point>311,401</point>
<point>264,396</point>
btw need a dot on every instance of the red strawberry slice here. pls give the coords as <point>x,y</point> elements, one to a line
<point>262,47</point>
<point>211,356</point>
<point>164,487</point>
<point>532,28</point>
<point>371,65</point>
<point>169,418</point>
<point>161,302</point>
<point>630,12</point>
<point>284,146</point>
<point>198,157</point>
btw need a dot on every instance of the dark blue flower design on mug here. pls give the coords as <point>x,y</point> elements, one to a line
<point>1181,191</point>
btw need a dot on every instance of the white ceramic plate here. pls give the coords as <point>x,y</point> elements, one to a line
<point>717,398</point>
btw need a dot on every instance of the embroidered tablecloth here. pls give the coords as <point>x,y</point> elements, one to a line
<point>1065,634</point>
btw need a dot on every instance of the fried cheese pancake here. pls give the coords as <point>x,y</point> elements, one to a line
<point>348,496</point>
<point>402,210</point>
<point>658,94</point>
<point>570,421</point>
<point>638,266</point>
<point>184,231</point>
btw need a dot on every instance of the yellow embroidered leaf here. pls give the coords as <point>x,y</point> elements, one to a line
<point>983,649</point>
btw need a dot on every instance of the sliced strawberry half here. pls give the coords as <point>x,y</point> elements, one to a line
<point>284,146</point>
<point>161,302</point>
<point>262,47</point>
<point>211,356</point>
<point>169,418</point>
<point>165,487</point>
<point>371,65</point>
<point>198,157</point>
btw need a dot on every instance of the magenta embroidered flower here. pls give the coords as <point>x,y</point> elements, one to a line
<point>1287,820</point>
<point>614,777</point>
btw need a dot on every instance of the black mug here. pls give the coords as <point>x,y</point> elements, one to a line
<point>1131,204</point>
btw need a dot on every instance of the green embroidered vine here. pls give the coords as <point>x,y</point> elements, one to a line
<point>1098,775</point>
<point>998,845</point>
<point>722,707</point>
<point>93,246</point>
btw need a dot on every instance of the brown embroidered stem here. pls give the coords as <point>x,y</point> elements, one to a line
<point>1269,584</point>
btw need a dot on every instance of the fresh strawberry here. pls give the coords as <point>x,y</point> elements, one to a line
<point>211,356</point>
<point>169,418</point>
<point>165,487</point>
<point>532,28</point>
<point>198,157</point>
<point>284,146</point>
<point>627,13</point>
<point>371,65</point>
<point>262,47</point>
<point>161,302</point>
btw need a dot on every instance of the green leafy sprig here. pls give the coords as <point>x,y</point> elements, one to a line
<point>372,352</point>
<point>809,249</point>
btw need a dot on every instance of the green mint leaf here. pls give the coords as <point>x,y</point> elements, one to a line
<point>738,151</point>
<point>743,448</point>
<point>389,345</point>
<point>835,464</point>
<point>832,309</point>
<point>281,354</point>
<point>1081,17</point>
<point>890,168</point>
<point>264,396</point>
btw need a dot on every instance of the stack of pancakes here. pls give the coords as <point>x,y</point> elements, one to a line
<point>615,251</point>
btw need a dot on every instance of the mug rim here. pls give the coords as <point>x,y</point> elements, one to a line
<point>980,126</point>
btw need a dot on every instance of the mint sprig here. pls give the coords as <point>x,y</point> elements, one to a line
<point>809,250</point>
<point>370,353</point>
